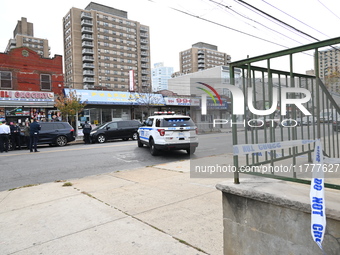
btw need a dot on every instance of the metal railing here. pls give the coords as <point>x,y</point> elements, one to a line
<point>290,125</point>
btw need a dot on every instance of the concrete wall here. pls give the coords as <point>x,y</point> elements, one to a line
<point>265,216</point>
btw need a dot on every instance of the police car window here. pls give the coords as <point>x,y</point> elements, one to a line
<point>149,122</point>
<point>158,123</point>
<point>178,122</point>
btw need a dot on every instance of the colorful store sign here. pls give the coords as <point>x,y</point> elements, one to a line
<point>32,96</point>
<point>117,97</point>
<point>182,101</point>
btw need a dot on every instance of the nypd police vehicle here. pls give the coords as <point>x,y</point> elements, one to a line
<point>165,131</point>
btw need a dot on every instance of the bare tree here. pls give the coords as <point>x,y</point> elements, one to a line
<point>146,101</point>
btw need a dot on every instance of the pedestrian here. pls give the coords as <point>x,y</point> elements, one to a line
<point>12,139</point>
<point>27,134</point>
<point>34,135</point>
<point>86,131</point>
<point>15,136</point>
<point>4,137</point>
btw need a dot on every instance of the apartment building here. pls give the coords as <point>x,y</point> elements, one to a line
<point>202,56</point>
<point>104,50</point>
<point>329,62</point>
<point>23,35</point>
<point>160,76</point>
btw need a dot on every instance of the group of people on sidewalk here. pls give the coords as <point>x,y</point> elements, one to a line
<point>12,133</point>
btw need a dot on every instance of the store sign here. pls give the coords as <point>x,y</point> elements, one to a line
<point>117,97</point>
<point>8,95</point>
<point>182,101</point>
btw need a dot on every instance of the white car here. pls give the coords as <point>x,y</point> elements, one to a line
<point>166,131</point>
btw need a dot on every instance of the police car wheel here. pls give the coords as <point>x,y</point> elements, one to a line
<point>139,143</point>
<point>191,150</point>
<point>153,150</point>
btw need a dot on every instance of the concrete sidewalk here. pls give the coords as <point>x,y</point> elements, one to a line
<point>152,210</point>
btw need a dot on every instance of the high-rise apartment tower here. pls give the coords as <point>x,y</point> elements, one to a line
<point>329,68</point>
<point>201,56</point>
<point>105,50</point>
<point>23,35</point>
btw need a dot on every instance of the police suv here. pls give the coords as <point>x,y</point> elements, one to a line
<point>165,131</point>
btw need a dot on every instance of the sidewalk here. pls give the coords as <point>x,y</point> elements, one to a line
<point>152,210</point>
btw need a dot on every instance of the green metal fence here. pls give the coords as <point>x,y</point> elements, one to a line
<point>263,81</point>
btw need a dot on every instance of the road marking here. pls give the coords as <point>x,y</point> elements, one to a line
<point>88,147</point>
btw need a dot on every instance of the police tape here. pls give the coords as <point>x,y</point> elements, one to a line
<point>317,199</point>
<point>317,192</point>
<point>244,149</point>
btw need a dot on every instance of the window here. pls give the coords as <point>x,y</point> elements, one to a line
<point>149,122</point>
<point>45,80</point>
<point>112,125</point>
<point>5,80</point>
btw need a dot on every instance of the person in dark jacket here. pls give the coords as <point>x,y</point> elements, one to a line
<point>86,131</point>
<point>27,134</point>
<point>34,135</point>
<point>15,136</point>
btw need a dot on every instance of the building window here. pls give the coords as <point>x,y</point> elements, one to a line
<point>45,80</point>
<point>5,80</point>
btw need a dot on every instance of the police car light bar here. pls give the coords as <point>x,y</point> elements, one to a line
<point>164,113</point>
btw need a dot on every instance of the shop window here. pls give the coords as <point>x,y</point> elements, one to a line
<point>45,80</point>
<point>106,115</point>
<point>5,80</point>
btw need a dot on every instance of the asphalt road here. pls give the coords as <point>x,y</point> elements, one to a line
<point>76,160</point>
<point>19,168</point>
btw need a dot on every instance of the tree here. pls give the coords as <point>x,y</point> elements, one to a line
<point>69,106</point>
<point>145,102</point>
<point>332,79</point>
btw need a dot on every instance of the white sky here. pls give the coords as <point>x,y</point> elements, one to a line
<point>172,31</point>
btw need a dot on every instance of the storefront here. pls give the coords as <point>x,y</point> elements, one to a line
<point>180,105</point>
<point>214,111</point>
<point>104,106</point>
<point>20,106</point>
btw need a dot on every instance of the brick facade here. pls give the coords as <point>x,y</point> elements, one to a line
<point>27,66</point>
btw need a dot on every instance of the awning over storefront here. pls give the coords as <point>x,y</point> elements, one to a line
<point>26,98</point>
<point>117,97</point>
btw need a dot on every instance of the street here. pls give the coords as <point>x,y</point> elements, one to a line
<point>76,160</point>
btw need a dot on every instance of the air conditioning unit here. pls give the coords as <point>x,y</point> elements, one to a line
<point>90,86</point>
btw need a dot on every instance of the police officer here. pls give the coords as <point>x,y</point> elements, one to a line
<point>86,131</point>
<point>4,137</point>
<point>15,136</point>
<point>34,135</point>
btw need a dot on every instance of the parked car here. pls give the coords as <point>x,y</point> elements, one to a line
<point>123,129</point>
<point>336,123</point>
<point>53,133</point>
<point>308,120</point>
<point>165,132</point>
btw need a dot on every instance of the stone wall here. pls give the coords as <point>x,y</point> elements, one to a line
<point>266,216</point>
